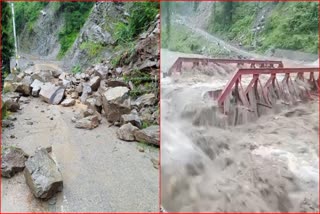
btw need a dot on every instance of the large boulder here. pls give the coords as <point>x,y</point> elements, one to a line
<point>134,119</point>
<point>101,70</point>
<point>94,83</point>
<point>126,132</point>
<point>52,94</point>
<point>42,175</point>
<point>9,104</point>
<point>145,100</point>
<point>24,86</point>
<point>36,87</point>
<point>89,122</point>
<point>150,135</point>
<point>13,161</point>
<point>86,91</point>
<point>114,103</point>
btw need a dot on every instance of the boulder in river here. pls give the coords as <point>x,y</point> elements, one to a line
<point>13,161</point>
<point>43,175</point>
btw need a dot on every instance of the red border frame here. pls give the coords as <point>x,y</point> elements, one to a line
<point>159,83</point>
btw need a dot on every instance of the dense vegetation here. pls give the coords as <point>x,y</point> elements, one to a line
<point>6,38</point>
<point>74,13</point>
<point>287,25</point>
<point>141,14</point>
<point>291,25</point>
<point>26,13</point>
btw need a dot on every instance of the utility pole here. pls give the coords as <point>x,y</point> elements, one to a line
<point>14,35</point>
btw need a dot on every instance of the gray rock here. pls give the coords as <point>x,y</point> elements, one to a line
<point>150,135</point>
<point>119,70</point>
<point>131,118</point>
<point>42,175</point>
<point>56,73</point>
<point>66,83</point>
<point>20,76</point>
<point>13,161</point>
<point>101,71</point>
<point>86,91</point>
<point>116,83</point>
<point>43,76</point>
<point>51,94</point>
<point>63,76</point>
<point>114,105</point>
<point>87,112</point>
<point>68,102</point>
<point>9,104</point>
<point>79,88</point>
<point>74,95</point>
<point>29,71</point>
<point>145,100</point>
<point>89,122</point>
<point>36,87</point>
<point>24,86</point>
<point>126,132</point>
<point>94,83</point>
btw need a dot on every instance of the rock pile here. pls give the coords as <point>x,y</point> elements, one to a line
<point>40,170</point>
<point>117,93</point>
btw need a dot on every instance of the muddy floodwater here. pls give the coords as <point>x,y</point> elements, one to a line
<point>270,164</point>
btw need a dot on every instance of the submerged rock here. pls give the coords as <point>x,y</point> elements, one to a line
<point>42,175</point>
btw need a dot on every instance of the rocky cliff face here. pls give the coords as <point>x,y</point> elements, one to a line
<point>42,38</point>
<point>98,30</point>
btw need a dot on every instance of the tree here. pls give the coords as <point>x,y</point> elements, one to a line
<point>7,42</point>
<point>165,7</point>
<point>227,11</point>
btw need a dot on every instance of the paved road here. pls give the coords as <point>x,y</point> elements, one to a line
<point>101,173</point>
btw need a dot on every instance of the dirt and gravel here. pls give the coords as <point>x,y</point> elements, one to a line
<point>267,165</point>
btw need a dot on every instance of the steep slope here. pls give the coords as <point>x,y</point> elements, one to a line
<point>40,37</point>
<point>95,37</point>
